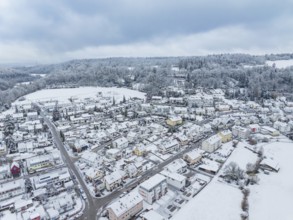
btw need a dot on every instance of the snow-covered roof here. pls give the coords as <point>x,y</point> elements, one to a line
<point>113,177</point>
<point>213,139</point>
<point>4,187</point>
<point>153,181</point>
<point>175,176</point>
<point>152,215</point>
<point>210,165</point>
<point>125,203</point>
<point>175,118</point>
<point>226,132</point>
<point>121,141</point>
<point>193,154</point>
<point>53,213</point>
<point>176,165</point>
<point>38,159</point>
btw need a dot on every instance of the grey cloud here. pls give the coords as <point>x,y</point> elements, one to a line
<point>58,27</point>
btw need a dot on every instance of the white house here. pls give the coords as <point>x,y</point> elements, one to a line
<point>168,146</point>
<point>177,166</point>
<point>2,148</point>
<point>32,116</point>
<point>193,157</point>
<point>11,189</point>
<point>90,158</point>
<point>113,153</point>
<point>55,178</point>
<point>152,215</point>
<point>210,110</point>
<point>240,132</point>
<point>211,144</point>
<point>25,147</point>
<point>4,171</point>
<point>153,188</point>
<point>113,180</point>
<point>175,179</point>
<point>120,143</point>
<point>126,207</point>
<point>39,162</point>
<point>282,126</point>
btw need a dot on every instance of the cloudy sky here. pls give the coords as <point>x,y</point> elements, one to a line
<point>47,31</point>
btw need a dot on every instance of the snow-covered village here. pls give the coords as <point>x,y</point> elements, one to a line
<point>146,110</point>
<point>114,154</point>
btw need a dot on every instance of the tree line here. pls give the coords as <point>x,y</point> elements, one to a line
<point>239,75</point>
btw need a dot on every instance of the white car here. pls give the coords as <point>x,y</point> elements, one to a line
<point>84,196</point>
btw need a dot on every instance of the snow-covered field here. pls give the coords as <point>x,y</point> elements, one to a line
<point>83,92</point>
<point>272,198</point>
<point>280,63</point>
<point>217,201</point>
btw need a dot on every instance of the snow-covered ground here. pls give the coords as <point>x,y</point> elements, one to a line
<point>216,202</point>
<point>83,92</point>
<point>272,198</point>
<point>280,63</point>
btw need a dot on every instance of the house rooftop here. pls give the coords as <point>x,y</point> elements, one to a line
<point>152,182</point>
<point>125,203</point>
<point>174,176</point>
<point>113,177</point>
<point>193,154</point>
<point>152,215</point>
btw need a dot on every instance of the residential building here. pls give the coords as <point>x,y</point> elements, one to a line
<point>269,130</point>
<point>32,116</point>
<point>114,153</point>
<point>192,157</point>
<point>211,144</point>
<point>25,147</point>
<point>183,139</point>
<point>126,207</point>
<point>120,143</point>
<point>282,126</point>
<point>15,169</point>
<point>4,171</point>
<point>174,179</point>
<point>152,215</point>
<point>140,150</point>
<point>209,166</point>
<point>225,136</point>
<point>113,180</point>
<point>210,111</point>
<point>80,145</point>
<point>174,120</point>
<point>254,128</point>
<point>177,166</point>
<point>54,178</point>
<point>2,148</point>
<point>240,132</point>
<point>223,107</point>
<point>39,162</point>
<point>11,189</point>
<point>93,173</point>
<point>89,158</point>
<point>167,146</point>
<point>153,188</point>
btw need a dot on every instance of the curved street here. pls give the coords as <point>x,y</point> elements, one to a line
<point>94,206</point>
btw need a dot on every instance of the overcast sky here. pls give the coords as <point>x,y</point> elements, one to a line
<point>47,31</point>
